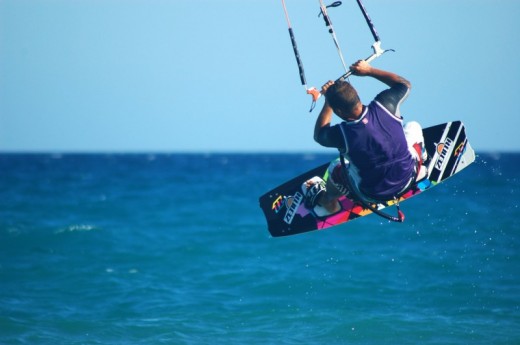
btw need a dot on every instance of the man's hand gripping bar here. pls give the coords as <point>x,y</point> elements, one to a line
<point>378,51</point>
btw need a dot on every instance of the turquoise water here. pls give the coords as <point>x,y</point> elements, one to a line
<point>173,249</point>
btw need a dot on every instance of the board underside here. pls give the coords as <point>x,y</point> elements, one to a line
<point>448,153</point>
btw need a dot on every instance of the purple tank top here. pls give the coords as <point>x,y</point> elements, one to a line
<point>376,146</point>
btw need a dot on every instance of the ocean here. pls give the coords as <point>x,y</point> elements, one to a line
<point>174,249</point>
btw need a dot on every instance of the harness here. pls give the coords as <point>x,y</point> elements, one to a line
<point>352,193</point>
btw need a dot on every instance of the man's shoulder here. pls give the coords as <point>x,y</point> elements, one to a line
<point>392,97</point>
<point>330,136</point>
<point>398,90</point>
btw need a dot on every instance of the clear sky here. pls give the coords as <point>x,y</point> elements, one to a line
<point>220,75</point>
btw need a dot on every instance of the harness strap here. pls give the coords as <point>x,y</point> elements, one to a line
<point>400,215</point>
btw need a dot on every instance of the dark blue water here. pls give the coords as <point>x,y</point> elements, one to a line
<point>173,249</point>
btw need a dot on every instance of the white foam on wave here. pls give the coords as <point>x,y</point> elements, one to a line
<point>77,228</point>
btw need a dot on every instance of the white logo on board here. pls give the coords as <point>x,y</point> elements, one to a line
<point>292,204</point>
<point>443,149</point>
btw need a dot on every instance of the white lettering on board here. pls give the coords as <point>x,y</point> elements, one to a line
<point>443,153</point>
<point>292,206</point>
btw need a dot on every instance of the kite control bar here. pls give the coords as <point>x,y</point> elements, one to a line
<point>376,47</point>
<point>378,51</point>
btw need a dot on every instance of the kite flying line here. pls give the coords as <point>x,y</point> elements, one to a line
<point>376,47</point>
<point>312,90</point>
<point>328,23</point>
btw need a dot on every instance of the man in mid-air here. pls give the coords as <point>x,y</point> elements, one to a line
<point>383,159</point>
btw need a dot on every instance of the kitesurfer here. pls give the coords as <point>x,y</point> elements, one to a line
<point>383,159</point>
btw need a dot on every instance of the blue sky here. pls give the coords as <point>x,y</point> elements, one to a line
<point>220,75</point>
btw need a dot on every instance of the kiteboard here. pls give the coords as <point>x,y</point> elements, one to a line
<point>449,152</point>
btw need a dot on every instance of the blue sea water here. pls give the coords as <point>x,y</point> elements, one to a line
<point>174,249</point>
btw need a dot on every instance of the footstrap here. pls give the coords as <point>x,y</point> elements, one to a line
<point>312,195</point>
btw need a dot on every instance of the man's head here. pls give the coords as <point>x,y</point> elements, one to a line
<point>343,99</point>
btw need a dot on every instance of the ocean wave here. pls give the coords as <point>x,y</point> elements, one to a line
<point>76,228</point>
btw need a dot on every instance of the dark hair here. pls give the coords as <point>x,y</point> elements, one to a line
<point>341,95</point>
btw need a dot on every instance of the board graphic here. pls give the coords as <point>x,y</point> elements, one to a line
<point>448,153</point>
